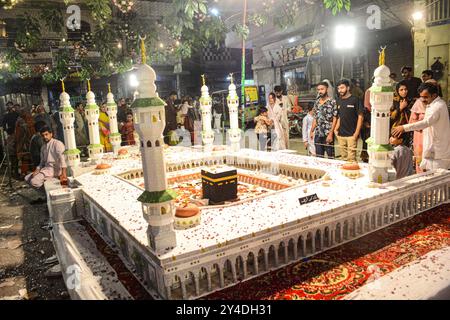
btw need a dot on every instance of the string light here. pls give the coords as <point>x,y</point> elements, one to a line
<point>124,5</point>
<point>119,45</point>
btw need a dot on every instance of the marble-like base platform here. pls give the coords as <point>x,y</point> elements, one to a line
<point>237,243</point>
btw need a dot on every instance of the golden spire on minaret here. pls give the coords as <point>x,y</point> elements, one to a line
<point>203,79</point>
<point>63,86</point>
<point>89,84</point>
<point>143,50</point>
<point>109,87</point>
<point>382,56</point>
<point>231,78</point>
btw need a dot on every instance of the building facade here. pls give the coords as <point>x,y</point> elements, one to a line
<point>432,41</point>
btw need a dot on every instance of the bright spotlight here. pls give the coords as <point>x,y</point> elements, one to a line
<point>133,81</point>
<point>344,37</point>
<point>214,12</point>
<point>417,15</point>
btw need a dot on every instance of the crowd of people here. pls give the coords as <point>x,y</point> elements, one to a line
<point>419,123</point>
<point>24,141</point>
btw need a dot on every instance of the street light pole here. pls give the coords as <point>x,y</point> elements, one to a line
<point>244,22</point>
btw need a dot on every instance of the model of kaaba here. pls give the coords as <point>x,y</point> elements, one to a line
<point>219,184</point>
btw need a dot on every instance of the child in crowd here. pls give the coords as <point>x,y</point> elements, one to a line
<point>402,158</point>
<point>127,130</point>
<point>307,125</point>
<point>262,127</point>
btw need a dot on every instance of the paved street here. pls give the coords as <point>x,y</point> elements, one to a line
<point>24,247</point>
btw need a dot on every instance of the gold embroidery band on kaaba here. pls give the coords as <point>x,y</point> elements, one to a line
<point>219,179</point>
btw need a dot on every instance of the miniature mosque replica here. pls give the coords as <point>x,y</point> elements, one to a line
<point>263,211</point>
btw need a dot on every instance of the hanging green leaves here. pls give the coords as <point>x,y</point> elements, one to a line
<point>28,33</point>
<point>337,6</point>
<point>100,10</point>
<point>53,19</point>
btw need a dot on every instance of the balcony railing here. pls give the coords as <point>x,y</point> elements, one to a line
<point>438,12</point>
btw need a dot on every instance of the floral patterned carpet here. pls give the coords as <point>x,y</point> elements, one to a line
<point>340,271</point>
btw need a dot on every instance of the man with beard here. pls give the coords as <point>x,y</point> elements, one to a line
<point>285,104</point>
<point>325,118</point>
<point>412,83</point>
<point>350,121</point>
<point>53,162</point>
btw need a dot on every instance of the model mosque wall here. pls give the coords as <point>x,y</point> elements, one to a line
<point>197,272</point>
<point>204,272</point>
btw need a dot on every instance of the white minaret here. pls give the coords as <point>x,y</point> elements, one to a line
<point>206,106</point>
<point>67,118</point>
<point>92,113</point>
<point>234,133</point>
<point>157,201</point>
<point>381,97</point>
<point>111,108</point>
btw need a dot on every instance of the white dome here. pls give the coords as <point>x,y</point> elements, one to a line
<point>382,71</point>
<point>110,98</point>
<point>232,90</point>
<point>205,90</point>
<point>90,97</point>
<point>146,77</point>
<point>381,75</point>
<point>64,99</point>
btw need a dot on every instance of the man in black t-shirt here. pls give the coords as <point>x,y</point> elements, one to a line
<point>412,83</point>
<point>350,120</point>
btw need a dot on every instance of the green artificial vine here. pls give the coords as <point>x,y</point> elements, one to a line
<point>241,30</point>
<point>100,10</point>
<point>59,70</point>
<point>188,27</point>
<point>337,5</point>
<point>53,19</point>
<point>28,34</point>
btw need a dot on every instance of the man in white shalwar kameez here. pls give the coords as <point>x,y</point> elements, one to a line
<point>286,106</point>
<point>436,129</point>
